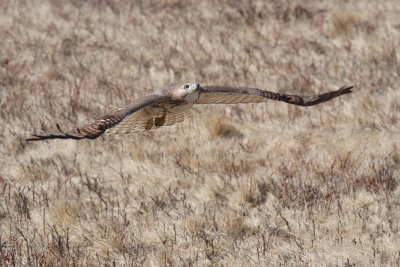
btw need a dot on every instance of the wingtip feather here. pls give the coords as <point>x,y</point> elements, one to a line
<point>34,138</point>
<point>346,89</point>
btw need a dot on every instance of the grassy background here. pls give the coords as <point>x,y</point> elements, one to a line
<point>261,184</point>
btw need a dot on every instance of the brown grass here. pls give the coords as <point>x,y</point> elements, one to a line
<point>262,184</point>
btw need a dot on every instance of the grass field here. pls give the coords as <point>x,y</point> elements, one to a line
<point>237,185</point>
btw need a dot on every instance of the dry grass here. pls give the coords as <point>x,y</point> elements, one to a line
<point>262,184</point>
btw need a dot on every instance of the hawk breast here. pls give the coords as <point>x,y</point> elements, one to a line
<point>192,97</point>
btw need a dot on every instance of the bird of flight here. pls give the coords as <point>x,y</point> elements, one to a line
<point>172,104</point>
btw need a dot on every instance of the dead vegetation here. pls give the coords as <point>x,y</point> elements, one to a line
<point>262,184</point>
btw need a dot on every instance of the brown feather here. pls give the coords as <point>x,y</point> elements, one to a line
<point>233,95</point>
<point>97,127</point>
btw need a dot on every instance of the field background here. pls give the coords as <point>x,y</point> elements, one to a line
<point>241,185</point>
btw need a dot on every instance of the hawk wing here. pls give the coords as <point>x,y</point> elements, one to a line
<point>151,118</point>
<point>178,117</point>
<point>135,115</point>
<point>233,95</point>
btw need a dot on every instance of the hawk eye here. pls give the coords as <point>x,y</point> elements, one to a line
<point>186,86</point>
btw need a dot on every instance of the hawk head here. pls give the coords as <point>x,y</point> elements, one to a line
<point>185,91</point>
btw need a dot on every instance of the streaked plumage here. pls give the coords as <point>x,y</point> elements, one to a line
<point>172,104</point>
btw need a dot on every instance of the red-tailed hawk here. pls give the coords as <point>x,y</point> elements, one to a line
<point>172,104</point>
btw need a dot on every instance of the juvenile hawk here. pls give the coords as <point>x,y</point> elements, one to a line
<point>172,104</point>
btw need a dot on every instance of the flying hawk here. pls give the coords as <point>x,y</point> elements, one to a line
<point>172,104</point>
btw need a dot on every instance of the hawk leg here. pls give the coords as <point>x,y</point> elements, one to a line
<point>160,121</point>
<point>156,122</point>
<point>149,124</point>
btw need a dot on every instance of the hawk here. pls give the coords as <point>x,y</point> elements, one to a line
<point>174,103</point>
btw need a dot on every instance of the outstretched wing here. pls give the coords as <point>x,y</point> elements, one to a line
<point>233,95</point>
<point>134,112</point>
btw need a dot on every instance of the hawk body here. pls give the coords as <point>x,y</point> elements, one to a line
<point>174,103</point>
